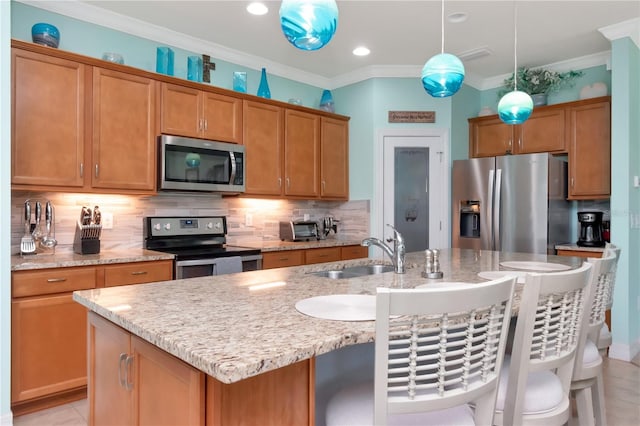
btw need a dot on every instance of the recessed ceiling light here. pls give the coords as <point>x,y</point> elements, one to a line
<point>257,8</point>
<point>361,51</point>
<point>457,17</point>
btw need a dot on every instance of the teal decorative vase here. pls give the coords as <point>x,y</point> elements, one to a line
<point>326,102</point>
<point>263,89</point>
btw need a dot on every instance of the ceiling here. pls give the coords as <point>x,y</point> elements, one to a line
<point>401,35</point>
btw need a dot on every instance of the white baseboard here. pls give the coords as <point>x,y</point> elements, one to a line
<point>6,419</point>
<point>624,352</point>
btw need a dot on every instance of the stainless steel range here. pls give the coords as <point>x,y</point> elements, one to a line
<point>199,245</point>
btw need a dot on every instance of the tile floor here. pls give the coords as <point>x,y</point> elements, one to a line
<point>622,392</point>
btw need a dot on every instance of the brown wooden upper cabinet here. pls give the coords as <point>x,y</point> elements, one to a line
<point>123,121</point>
<point>544,131</point>
<point>334,158</point>
<point>581,128</point>
<point>264,141</point>
<point>48,120</point>
<point>82,118</point>
<point>590,149</point>
<point>301,153</point>
<point>190,112</point>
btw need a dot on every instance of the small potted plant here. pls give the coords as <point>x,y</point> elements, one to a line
<point>539,82</point>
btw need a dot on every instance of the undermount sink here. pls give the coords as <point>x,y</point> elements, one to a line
<point>354,271</point>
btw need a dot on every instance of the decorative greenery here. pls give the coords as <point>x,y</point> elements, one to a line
<point>540,81</point>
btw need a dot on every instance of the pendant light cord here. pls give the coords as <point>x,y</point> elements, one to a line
<point>442,27</point>
<point>515,45</point>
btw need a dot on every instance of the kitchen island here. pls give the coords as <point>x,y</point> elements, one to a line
<point>243,350</point>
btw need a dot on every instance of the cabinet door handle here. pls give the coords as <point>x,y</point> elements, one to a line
<point>324,185</point>
<point>572,184</point>
<point>128,385</point>
<point>96,169</point>
<point>121,373</point>
<point>56,280</point>
<point>279,182</point>
<point>288,183</point>
<point>200,124</point>
<point>206,124</point>
<point>138,272</point>
<point>81,169</point>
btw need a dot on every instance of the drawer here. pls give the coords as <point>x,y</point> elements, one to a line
<point>331,254</point>
<point>138,273</point>
<point>50,281</point>
<point>353,252</point>
<point>280,259</point>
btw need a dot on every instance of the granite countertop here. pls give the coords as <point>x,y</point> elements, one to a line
<point>68,258</point>
<point>240,325</point>
<point>575,247</point>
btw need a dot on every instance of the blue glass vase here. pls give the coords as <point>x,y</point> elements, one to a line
<point>326,102</point>
<point>263,89</point>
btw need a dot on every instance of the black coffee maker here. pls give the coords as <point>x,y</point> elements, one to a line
<point>590,229</point>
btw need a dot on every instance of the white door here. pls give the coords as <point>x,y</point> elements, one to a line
<point>412,190</point>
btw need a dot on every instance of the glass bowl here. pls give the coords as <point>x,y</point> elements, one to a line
<point>116,58</point>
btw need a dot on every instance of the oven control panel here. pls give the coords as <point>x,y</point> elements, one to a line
<point>179,226</point>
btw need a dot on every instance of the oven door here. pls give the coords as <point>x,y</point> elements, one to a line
<point>215,266</point>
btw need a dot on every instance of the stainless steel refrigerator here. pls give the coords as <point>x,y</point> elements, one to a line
<point>514,203</point>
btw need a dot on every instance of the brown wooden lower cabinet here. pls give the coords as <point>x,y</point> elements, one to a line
<point>283,258</point>
<point>49,329</point>
<point>132,382</point>
<point>48,346</point>
<point>580,253</point>
<point>282,397</point>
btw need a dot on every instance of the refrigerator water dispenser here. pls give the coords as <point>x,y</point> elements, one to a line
<point>470,219</point>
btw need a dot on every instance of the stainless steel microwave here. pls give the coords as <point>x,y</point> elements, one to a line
<point>187,164</point>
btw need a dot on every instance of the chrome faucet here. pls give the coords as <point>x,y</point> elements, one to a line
<point>396,255</point>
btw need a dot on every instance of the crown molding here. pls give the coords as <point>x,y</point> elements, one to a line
<point>630,28</point>
<point>588,61</point>
<point>95,15</point>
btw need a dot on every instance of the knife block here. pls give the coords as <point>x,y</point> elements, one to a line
<point>87,239</point>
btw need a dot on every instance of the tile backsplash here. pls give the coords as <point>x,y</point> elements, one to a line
<point>248,220</point>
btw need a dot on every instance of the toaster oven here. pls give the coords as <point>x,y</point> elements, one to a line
<point>299,231</point>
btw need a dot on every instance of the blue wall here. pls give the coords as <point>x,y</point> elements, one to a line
<point>625,199</point>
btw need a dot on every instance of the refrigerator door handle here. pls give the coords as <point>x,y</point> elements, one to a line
<point>496,212</point>
<point>489,209</point>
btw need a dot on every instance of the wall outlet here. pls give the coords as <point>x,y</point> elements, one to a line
<point>248,219</point>
<point>107,220</point>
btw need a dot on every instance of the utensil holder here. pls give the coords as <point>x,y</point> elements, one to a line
<point>87,239</point>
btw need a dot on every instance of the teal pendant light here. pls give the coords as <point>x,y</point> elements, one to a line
<point>309,24</point>
<point>443,74</point>
<point>515,107</point>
